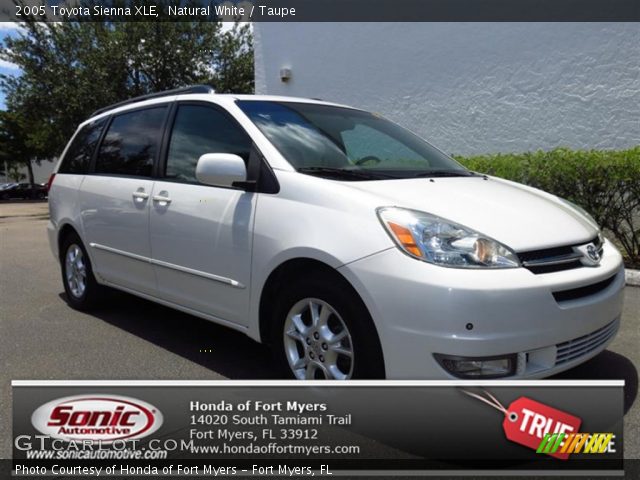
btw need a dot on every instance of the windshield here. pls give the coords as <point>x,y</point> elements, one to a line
<point>347,143</point>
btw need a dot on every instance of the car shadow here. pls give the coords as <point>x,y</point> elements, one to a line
<point>607,365</point>
<point>220,349</point>
<point>234,355</point>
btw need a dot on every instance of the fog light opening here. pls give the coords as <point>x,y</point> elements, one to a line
<point>478,367</point>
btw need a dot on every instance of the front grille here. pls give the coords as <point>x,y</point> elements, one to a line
<point>555,259</point>
<point>567,351</point>
<point>581,292</point>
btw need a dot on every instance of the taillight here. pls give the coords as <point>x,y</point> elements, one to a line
<point>50,182</point>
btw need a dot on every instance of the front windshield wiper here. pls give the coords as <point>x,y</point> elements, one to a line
<point>344,173</point>
<point>446,173</point>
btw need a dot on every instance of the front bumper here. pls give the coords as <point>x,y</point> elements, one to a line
<point>420,309</point>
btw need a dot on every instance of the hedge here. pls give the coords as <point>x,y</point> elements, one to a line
<point>605,183</point>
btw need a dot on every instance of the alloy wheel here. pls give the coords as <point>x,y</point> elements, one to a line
<point>75,270</point>
<point>317,342</point>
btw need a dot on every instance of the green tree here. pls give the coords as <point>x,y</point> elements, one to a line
<point>14,173</point>
<point>233,61</point>
<point>70,69</point>
<point>15,152</point>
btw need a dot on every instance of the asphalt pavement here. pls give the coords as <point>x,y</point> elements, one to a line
<point>42,338</point>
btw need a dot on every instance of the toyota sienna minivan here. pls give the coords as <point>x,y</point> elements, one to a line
<point>350,245</point>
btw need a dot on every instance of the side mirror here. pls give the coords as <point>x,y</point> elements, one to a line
<point>221,169</point>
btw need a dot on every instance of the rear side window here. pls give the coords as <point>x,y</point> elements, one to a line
<point>81,149</point>
<point>131,143</point>
<point>199,129</point>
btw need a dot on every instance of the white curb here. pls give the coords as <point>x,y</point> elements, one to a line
<point>632,277</point>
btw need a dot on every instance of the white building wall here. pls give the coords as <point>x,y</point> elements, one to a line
<point>469,87</point>
<point>41,173</point>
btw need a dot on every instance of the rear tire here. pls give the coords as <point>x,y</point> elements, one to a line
<point>83,292</point>
<point>323,330</point>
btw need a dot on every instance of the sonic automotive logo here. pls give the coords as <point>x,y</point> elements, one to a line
<point>104,418</point>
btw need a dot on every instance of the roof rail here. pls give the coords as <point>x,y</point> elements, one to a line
<point>166,93</point>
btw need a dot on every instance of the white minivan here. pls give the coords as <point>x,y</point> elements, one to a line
<point>350,245</point>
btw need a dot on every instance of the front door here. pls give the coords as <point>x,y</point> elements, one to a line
<point>201,236</point>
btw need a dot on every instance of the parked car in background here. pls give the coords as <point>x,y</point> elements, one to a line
<point>23,191</point>
<point>350,245</point>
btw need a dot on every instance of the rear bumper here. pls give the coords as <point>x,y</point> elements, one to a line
<point>421,309</point>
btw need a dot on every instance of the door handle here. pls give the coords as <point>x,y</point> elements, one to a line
<point>140,195</point>
<point>161,199</point>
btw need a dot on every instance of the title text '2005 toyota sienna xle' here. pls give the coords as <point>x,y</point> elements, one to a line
<point>351,246</point>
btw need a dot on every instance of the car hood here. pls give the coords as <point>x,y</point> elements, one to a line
<point>521,217</point>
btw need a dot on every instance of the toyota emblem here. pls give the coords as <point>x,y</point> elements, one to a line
<point>593,253</point>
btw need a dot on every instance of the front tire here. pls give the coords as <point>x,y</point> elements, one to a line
<point>324,331</point>
<point>83,292</point>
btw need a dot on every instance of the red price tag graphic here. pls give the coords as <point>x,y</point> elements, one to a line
<point>526,421</point>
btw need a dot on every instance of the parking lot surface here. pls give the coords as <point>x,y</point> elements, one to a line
<point>42,338</point>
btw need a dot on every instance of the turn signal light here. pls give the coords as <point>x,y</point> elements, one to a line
<point>405,238</point>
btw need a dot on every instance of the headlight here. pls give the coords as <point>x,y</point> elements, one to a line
<point>441,242</point>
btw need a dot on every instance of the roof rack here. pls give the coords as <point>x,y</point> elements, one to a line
<point>166,93</point>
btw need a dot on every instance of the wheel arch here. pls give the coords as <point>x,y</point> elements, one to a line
<point>64,231</point>
<point>290,270</point>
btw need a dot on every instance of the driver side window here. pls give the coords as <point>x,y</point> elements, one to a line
<point>200,129</point>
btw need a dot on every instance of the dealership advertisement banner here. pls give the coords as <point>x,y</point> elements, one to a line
<point>283,429</point>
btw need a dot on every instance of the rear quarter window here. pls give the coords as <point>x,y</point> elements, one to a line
<point>81,150</point>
